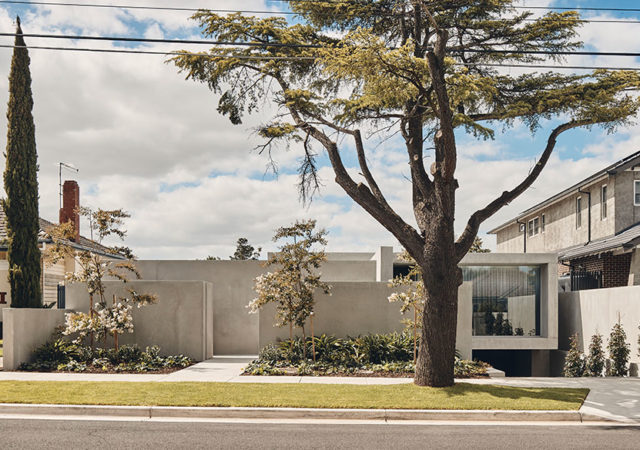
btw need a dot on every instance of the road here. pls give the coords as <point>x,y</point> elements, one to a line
<point>35,434</point>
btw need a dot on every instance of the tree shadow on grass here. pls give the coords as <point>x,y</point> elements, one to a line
<point>569,395</point>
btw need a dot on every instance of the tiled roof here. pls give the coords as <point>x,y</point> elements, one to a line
<point>625,240</point>
<point>45,225</point>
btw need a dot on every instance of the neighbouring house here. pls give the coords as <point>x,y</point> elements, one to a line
<point>593,226</point>
<point>52,275</point>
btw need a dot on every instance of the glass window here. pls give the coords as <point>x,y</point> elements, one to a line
<point>533,226</point>
<point>603,202</point>
<point>542,223</point>
<point>636,193</point>
<point>506,300</point>
<point>578,212</point>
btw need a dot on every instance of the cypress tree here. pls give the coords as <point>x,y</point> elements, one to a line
<point>21,184</point>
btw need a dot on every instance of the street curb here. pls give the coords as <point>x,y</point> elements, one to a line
<point>295,413</point>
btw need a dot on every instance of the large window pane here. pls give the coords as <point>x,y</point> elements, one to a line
<point>506,300</point>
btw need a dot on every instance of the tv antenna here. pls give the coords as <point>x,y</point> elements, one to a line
<point>60,167</point>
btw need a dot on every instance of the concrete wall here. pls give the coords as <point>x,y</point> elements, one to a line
<point>560,221</point>
<point>548,338</point>
<point>626,213</point>
<point>235,331</point>
<point>180,323</point>
<point>596,311</point>
<point>355,309</point>
<point>26,329</point>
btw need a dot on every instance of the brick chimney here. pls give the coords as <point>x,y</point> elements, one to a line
<point>70,205</point>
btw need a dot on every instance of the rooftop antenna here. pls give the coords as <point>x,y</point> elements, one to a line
<point>68,167</point>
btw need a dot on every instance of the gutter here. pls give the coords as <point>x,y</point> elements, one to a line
<point>524,226</point>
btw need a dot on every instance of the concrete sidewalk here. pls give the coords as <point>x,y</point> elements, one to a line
<point>609,398</point>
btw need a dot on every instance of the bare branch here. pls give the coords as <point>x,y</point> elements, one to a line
<point>471,230</point>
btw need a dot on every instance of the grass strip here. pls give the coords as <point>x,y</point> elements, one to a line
<point>399,396</point>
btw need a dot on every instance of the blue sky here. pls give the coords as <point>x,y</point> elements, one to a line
<point>148,141</point>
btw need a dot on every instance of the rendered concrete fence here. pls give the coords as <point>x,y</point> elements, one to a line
<point>361,308</point>
<point>25,329</point>
<point>180,323</point>
<point>235,331</point>
<point>596,311</point>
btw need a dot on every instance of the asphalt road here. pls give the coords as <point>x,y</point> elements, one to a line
<point>36,434</point>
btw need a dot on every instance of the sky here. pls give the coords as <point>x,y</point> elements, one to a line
<point>147,141</point>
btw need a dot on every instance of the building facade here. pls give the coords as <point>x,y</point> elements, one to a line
<point>593,226</point>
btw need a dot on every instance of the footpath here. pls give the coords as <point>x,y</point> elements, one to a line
<point>610,399</point>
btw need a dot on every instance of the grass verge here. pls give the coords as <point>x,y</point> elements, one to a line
<point>402,396</point>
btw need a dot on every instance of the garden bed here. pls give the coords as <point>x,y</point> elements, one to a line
<point>374,355</point>
<point>61,356</point>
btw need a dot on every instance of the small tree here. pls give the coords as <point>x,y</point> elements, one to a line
<point>619,351</point>
<point>596,357</point>
<point>292,285</point>
<point>92,268</point>
<point>21,185</point>
<point>476,247</point>
<point>574,363</point>
<point>245,251</point>
<point>411,298</point>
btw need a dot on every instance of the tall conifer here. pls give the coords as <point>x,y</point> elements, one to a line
<point>21,184</point>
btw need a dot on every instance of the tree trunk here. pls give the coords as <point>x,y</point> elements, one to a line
<point>441,277</point>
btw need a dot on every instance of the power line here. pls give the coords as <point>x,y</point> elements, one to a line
<point>291,13</point>
<point>294,58</point>
<point>155,52</point>
<point>165,41</point>
<point>313,46</point>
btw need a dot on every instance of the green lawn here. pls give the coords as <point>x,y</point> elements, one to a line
<point>404,396</point>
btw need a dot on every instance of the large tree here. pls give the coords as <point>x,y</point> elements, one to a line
<point>429,70</point>
<point>21,185</point>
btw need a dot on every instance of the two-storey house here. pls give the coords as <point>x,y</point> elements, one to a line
<point>593,226</point>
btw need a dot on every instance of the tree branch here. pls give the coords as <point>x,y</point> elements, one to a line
<point>464,242</point>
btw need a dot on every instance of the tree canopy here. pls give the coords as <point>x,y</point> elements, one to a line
<point>428,70</point>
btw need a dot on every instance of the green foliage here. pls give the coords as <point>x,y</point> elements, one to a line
<point>390,353</point>
<point>292,284</point>
<point>574,362</point>
<point>619,351</point>
<point>62,356</point>
<point>21,185</point>
<point>476,247</point>
<point>595,361</point>
<point>245,251</point>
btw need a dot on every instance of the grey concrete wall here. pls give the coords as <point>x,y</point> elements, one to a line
<point>354,309</point>
<point>25,329</point>
<point>596,311</point>
<point>235,331</point>
<point>626,213</point>
<point>548,338</point>
<point>181,322</point>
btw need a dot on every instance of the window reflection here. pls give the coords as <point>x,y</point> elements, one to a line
<point>506,300</point>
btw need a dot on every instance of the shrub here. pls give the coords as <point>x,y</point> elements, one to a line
<point>618,352</point>
<point>595,358</point>
<point>574,363</point>
<point>64,356</point>
<point>390,353</point>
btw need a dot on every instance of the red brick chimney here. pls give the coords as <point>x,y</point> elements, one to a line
<point>70,205</point>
